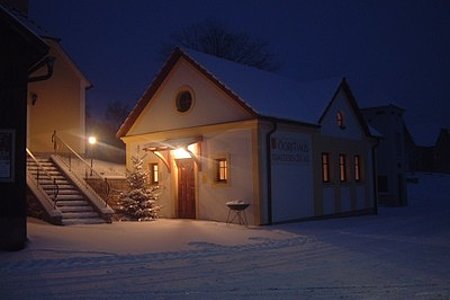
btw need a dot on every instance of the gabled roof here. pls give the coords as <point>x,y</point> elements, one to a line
<point>45,37</point>
<point>69,61</point>
<point>352,101</point>
<point>11,19</point>
<point>27,22</point>
<point>389,106</point>
<point>261,93</point>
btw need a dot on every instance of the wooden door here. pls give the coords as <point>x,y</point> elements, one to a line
<point>186,189</point>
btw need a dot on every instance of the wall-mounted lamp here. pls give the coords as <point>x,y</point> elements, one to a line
<point>181,153</point>
<point>34,98</point>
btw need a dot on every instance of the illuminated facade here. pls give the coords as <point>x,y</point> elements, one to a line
<point>217,132</point>
<point>57,104</point>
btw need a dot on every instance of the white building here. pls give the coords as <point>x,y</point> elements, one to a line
<point>394,153</point>
<point>216,131</point>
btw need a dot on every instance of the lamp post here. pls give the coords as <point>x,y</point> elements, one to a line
<point>92,140</point>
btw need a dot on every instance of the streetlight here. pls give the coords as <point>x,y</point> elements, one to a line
<point>92,140</point>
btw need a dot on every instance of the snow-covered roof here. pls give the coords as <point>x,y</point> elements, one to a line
<point>269,94</point>
<point>262,93</point>
<point>374,132</point>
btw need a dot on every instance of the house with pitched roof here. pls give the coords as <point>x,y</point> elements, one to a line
<point>395,152</point>
<point>57,103</point>
<point>217,133</point>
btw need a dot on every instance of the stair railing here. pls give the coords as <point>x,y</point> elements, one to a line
<point>75,162</point>
<point>41,169</point>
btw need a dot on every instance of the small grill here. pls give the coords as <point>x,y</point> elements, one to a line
<point>237,211</point>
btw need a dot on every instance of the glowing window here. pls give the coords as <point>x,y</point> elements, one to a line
<point>357,167</point>
<point>325,167</point>
<point>154,173</point>
<point>340,120</point>
<point>221,170</point>
<point>184,101</point>
<point>342,168</point>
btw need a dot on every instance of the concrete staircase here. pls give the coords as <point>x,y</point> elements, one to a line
<point>73,205</point>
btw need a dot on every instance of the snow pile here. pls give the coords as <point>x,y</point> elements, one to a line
<point>403,253</point>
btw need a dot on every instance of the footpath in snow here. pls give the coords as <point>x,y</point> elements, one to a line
<point>402,253</point>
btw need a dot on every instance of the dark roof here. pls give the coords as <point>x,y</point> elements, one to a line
<point>38,44</point>
<point>29,23</point>
<point>383,107</point>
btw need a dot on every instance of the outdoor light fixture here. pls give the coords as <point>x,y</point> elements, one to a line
<point>180,153</point>
<point>92,140</point>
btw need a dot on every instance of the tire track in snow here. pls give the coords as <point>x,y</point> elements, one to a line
<point>201,249</point>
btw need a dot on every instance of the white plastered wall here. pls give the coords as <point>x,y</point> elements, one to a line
<point>210,104</point>
<point>292,177</point>
<point>236,147</point>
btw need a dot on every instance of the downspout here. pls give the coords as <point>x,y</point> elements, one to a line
<point>49,61</point>
<point>269,171</point>
<point>375,179</point>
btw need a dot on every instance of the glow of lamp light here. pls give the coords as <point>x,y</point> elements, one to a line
<point>92,140</point>
<point>181,153</point>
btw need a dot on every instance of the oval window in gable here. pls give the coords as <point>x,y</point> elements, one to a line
<point>184,101</point>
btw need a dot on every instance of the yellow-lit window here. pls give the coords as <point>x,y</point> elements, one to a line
<point>357,167</point>
<point>221,170</point>
<point>340,120</point>
<point>325,167</point>
<point>154,173</point>
<point>342,168</point>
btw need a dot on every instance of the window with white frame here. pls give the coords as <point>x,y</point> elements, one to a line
<point>357,167</point>
<point>342,168</point>
<point>154,173</point>
<point>221,173</point>
<point>325,167</point>
<point>340,120</point>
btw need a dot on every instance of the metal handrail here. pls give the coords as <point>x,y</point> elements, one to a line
<point>40,166</point>
<point>56,139</point>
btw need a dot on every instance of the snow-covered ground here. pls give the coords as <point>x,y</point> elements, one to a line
<point>402,253</point>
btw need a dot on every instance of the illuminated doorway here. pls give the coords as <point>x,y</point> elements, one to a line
<point>186,188</point>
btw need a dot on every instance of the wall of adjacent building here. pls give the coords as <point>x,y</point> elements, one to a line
<point>21,51</point>
<point>391,153</point>
<point>350,196</point>
<point>59,105</point>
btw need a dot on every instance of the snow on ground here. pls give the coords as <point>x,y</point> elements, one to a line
<point>109,169</point>
<point>402,253</point>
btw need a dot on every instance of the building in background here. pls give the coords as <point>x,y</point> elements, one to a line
<point>57,103</point>
<point>23,51</point>
<point>395,153</point>
<point>217,132</point>
<point>442,151</point>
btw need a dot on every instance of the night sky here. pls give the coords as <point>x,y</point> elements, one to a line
<point>390,51</point>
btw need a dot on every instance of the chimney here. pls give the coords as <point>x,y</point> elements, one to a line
<point>20,5</point>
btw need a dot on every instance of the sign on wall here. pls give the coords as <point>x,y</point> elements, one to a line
<point>290,150</point>
<point>7,141</point>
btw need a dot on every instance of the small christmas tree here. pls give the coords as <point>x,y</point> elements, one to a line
<point>140,203</point>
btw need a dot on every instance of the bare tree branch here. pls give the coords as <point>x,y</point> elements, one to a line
<point>214,38</point>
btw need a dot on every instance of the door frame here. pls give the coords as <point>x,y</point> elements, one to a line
<point>179,213</point>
